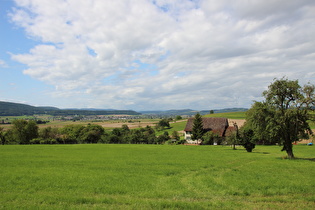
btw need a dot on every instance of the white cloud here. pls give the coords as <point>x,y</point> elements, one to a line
<point>142,54</point>
<point>2,63</point>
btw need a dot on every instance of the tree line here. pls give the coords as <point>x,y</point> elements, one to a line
<point>28,132</point>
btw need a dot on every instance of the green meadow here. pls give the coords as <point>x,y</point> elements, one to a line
<point>175,126</point>
<point>105,176</point>
<point>230,115</point>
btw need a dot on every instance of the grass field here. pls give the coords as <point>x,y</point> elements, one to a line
<point>230,115</point>
<point>155,177</point>
<point>175,126</point>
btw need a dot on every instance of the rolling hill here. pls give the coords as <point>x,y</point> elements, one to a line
<point>18,109</point>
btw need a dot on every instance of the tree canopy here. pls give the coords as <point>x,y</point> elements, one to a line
<point>283,116</point>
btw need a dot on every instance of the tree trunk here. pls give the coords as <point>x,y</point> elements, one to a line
<point>289,149</point>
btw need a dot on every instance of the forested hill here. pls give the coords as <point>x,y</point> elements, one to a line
<point>192,112</point>
<point>17,109</point>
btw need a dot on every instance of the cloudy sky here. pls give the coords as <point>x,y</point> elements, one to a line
<point>152,54</point>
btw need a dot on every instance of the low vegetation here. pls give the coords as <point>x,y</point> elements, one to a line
<point>107,176</point>
<point>28,132</point>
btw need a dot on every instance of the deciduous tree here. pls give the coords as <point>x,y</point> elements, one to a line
<point>209,138</point>
<point>163,123</point>
<point>283,115</point>
<point>23,131</point>
<point>92,133</point>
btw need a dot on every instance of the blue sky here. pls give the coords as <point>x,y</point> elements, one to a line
<point>16,86</point>
<point>152,55</point>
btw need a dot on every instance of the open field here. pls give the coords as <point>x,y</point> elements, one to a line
<point>230,115</point>
<point>155,177</point>
<point>108,124</point>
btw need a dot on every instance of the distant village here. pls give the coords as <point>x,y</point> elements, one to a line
<point>43,119</point>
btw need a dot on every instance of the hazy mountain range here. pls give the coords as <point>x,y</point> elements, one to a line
<point>18,109</point>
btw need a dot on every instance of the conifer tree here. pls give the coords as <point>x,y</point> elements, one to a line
<point>197,131</point>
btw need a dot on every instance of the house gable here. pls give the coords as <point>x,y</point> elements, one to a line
<point>217,125</point>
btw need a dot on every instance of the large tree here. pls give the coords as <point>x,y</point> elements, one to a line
<point>283,116</point>
<point>197,130</point>
<point>23,131</point>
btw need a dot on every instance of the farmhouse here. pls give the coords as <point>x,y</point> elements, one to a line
<point>217,125</point>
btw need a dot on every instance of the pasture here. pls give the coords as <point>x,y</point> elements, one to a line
<point>230,115</point>
<point>105,176</point>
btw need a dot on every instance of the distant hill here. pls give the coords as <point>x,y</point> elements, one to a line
<point>190,111</point>
<point>18,109</point>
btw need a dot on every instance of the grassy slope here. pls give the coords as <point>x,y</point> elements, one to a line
<point>176,126</point>
<point>155,177</point>
<point>230,115</point>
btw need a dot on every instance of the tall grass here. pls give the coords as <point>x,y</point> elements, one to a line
<point>154,177</point>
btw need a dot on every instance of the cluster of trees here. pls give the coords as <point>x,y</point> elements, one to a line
<point>28,132</point>
<point>243,136</point>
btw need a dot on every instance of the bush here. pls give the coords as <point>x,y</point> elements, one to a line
<point>209,138</point>
<point>43,141</point>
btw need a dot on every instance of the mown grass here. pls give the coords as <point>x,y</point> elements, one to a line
<point>154,177</point>
<point>230,115</point>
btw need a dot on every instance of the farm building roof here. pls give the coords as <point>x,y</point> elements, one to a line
<point>229,131</point>
<point>216,124</point>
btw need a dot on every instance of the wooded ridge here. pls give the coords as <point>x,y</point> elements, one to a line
<point>17,109</point>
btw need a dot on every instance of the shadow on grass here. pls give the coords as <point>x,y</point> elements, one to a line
<point>296,158</point>
<point>310,159</point>
<point>265,153</point>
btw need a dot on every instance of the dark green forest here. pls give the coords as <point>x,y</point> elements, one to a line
<point>17,109</point>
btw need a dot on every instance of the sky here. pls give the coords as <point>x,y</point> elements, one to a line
<point>152,54</point>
